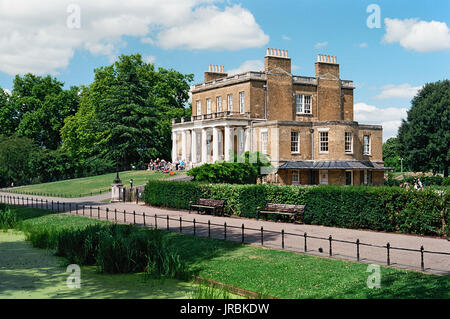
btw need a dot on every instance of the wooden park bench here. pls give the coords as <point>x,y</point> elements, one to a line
<point>216,205</point>
<point>291,211</point>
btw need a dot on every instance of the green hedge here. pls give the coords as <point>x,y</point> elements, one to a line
<point>389,209</point>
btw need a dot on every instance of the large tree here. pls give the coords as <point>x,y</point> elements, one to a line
<point>424,137</point>
<point>391,155</point>
<point>125,114</point>
<point>16,156</point>
<point>36,109</point>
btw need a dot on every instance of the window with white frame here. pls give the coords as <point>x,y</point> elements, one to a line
<point>348,142</point>
<point>208,106</point>
<point>230,102</point>
<point>303,104</point>
<point>323,141</point>
<point>295,178</point>
<point>264,140</point>
<point>294,143</point>
<point>366,145</point>
<point>199,108</point>
<point>241,102</point>
<point>219,104</point>
<point>307,104</point>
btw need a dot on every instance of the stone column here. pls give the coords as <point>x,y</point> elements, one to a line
<point>174,147</point>
<point>183,145</point>
<point>240,135</point>
<point>194,146</point>
<point>204,146</point>
<point>247,140</point>
<point>228,149</point>
<point>215,144</point>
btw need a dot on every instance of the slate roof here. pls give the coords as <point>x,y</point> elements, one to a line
<point>361,165</point>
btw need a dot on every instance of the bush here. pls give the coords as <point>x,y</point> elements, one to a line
<point>376,208</point>
<point>244,169</point>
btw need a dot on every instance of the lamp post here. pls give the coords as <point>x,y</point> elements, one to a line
<point>116,188</point>
<point>401,163</point>
<point>117,179</point>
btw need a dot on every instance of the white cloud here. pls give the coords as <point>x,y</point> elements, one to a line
<point>285,37</point>
<point>390,118</point>
<point>417,35</point>
<point>404,91</point>
<point>234,28</point>
<point>320,45</point>
<point>35,36</point>
<point>363,45</point>
<point>249,65</point>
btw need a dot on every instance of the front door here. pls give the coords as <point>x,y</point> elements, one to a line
<point>348,178</point>
<point>323,177</point>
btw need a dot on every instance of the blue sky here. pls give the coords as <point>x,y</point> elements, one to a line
<point>387,64</point>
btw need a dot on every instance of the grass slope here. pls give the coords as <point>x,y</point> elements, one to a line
<point>271,272</point>
<point>87,185</point>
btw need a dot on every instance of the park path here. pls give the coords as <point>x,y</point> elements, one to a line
<point>372,248</point>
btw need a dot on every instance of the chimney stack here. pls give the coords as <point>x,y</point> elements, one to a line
<point>277,58</point>
<point>215,72</point>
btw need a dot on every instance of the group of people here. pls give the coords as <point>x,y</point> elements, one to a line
<point>417,185</point>
<point>165,166</point>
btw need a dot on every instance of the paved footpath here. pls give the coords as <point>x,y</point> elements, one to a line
<point>372,248</point>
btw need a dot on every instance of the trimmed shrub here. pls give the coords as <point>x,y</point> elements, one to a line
<point>245,169</point>
<point>377,208</point>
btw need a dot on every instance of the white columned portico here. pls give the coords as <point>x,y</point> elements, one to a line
<point>194,146</point>
<point>174,146</point>
<point>215,144</point>
<point>183,145</point>
<point>228,147</point>
<point>204,146</point>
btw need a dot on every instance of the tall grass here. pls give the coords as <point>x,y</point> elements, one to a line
<point>8,218</point>
<point>205,291</point>
<point>113,248</point>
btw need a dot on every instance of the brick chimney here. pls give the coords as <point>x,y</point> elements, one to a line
<point>277,58</point>
<point>330,106</point>
<point>327,64</point>
<point>215,72</point>
<point>278,85</point>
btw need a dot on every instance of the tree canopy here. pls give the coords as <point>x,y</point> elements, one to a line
<point>37,108</point>
<point>424,137</point>
<point>125,114</point>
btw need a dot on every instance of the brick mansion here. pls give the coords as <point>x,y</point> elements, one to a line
<point>304,125</point>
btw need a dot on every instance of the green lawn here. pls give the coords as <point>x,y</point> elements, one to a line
<point>87,185</point>
<point>272,272</point>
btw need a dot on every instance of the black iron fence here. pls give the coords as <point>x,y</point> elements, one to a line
<point>48,194</point>
<point>194,227</point>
